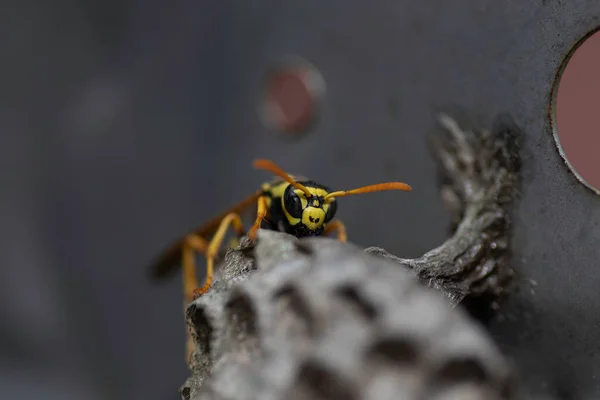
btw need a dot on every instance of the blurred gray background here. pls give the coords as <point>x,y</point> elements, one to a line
<point>126,123</point>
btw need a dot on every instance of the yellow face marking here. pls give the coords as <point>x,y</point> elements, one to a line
<point>302,196</point>
<point>313,217</point>
<point>291,220</point>
<point>317,192</point>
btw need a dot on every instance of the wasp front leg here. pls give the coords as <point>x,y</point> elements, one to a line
<point>338,226</point>
<point>212,249</point>
<point>193,243</point>
<point>261,213</point>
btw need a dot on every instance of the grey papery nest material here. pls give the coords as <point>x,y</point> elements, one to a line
<point>318,319</point>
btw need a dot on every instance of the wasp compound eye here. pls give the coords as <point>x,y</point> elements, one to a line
<point>292,203</point>
<point>331,211</point>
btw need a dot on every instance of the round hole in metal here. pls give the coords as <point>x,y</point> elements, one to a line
<point>575,112</point>
<point>291,97</point>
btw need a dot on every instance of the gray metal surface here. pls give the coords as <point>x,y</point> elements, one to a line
<point>130,122</point>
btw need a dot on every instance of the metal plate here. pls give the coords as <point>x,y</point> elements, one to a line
<point>131,125</point>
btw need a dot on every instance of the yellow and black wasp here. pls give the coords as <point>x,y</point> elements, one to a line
<point>298,207</point>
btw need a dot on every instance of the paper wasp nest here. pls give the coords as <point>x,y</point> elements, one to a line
<point>317,319</point>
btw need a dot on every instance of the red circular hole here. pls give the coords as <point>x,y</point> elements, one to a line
<point>577,106</point>
<point>290,103</point>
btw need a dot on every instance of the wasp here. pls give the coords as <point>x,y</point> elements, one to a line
<point>300,207</point>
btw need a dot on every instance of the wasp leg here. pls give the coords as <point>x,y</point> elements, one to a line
<point>338,226</point>
<point>190,346</point>
<point>190,281</point>
<point>213,249</point>
<point>192,244</point>
<point>260,215</point>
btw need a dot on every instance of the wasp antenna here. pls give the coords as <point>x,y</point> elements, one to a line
<point>273,168</point>
<point>380,187</point>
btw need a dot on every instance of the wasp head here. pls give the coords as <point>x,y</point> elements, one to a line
<point>308,211</point>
